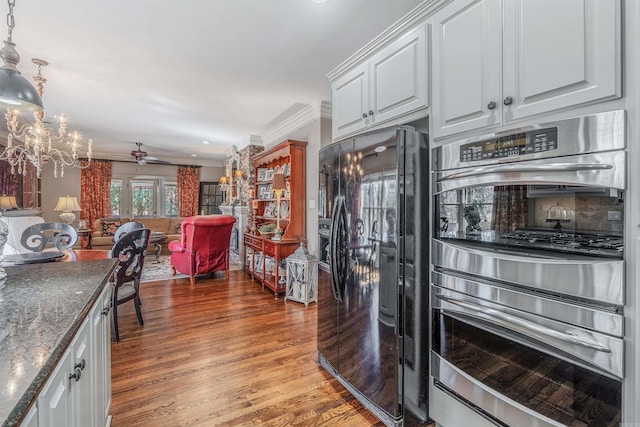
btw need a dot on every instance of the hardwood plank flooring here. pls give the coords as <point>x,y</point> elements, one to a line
<point>224,353</point>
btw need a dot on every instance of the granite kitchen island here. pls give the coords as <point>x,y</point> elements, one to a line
<point>42,307</point>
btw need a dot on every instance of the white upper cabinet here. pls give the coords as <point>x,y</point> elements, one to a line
<point>389,84</point>
<point>466,70</point>
<point>351,101</point>
<point>496,61</point>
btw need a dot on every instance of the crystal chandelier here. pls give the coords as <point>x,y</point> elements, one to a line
<point>40,144</point>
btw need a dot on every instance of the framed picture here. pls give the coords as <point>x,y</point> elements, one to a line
<point>284,209</point>
<point>262,174</point>
<point>269,175</point>
<point>259,258</point>
<point>262,190</point>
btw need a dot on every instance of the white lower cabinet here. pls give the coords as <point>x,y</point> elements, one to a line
<point>78,392</point>
<point>101,336</point>
<point>31,419</point>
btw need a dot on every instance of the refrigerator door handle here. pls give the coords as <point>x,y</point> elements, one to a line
<point>342,249</point>
<point>333,268</point>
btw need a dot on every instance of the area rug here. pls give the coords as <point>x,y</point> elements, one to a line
<point>162,271</point>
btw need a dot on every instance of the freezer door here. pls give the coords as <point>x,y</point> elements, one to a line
<point>368,340</point>
<point>328,197</point>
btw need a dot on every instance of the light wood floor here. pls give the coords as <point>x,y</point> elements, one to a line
<point>223,353</point>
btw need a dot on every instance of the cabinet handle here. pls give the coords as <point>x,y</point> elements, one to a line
<point>81,365</point>
<point>106,309</point>
<point>371,112</point>
<point>492,105</point>
<point>508,100</point>
<point>76,376</point>
<point>364,115</point>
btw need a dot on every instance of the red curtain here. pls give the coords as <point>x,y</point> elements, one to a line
<point>188,190</point>
<point>95,191</point>
<point>510,208</point>
<point>8,181</point>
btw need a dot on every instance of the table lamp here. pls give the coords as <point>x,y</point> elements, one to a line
<point>278,186</point>
<point>8,202</point>
<point>67,204</point>
<point>223,182</point>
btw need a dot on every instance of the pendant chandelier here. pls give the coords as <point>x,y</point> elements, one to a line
<point>15,91</point>
<point>38,144</point>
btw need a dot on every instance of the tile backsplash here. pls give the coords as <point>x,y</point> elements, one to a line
<point>583,213</point>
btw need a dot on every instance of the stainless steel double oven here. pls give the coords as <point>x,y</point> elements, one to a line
<point>527,286</point>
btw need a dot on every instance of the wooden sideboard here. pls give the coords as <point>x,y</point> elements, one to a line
<point>263,257</point>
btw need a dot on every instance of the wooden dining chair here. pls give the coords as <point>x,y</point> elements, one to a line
<point>36,237</point>
<point>130,251</point>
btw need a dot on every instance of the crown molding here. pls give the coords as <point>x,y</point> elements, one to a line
<point>282,131</point>
<point>416,16</point>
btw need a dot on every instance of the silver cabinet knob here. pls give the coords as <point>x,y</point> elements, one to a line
<point>508,100</point>
<point>364,115</point>
<point>492,105</point>
<point>370,113</point>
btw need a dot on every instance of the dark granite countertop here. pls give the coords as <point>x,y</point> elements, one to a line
<point>41,308</point>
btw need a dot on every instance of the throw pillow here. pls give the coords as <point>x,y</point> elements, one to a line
<point>109,227</point>
<point>179,227</point>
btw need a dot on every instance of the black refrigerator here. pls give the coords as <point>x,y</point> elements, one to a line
<point>373,287</point>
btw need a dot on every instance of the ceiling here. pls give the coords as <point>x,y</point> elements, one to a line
<point>172,74</point>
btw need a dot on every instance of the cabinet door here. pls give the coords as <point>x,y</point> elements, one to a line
<point>101,358</point>
<point>467,70</point>
<point>560,54</point>
<point>54,401</point>
<point>31,419</point>
<point>81,388</point>
<point>351,102</point>
<point>399,76</point>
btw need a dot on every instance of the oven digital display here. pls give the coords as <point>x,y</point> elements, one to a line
<point>535,141</point>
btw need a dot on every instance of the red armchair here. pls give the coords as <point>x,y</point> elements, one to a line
<point>204,245</point>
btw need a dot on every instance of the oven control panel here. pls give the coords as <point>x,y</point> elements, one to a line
<point>535,141</point>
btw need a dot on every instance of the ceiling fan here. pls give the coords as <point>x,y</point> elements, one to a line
<point>143,158</point>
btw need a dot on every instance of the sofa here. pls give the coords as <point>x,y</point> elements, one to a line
<point>104,229</point>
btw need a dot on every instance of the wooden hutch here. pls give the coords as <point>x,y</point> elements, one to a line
<point>264,257</point>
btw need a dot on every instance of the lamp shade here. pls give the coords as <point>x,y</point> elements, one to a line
<point>278,182</point>
<point>15,91</point>
<point>67,204</point>
<point>224,180</point>
<point>8,202</point>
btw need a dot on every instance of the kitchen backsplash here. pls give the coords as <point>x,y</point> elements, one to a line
<point>583,213</point>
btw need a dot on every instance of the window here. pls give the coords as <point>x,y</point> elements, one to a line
<point>142,198</point>
<point>116,197</point>
<point>148,197</point>
<point>453,204</point>
<point>170,199</point>
<point>378,194</point>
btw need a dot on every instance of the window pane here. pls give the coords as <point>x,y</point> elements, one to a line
<point>170,200</point>
<point>116,197</point>
<point>142,195</point>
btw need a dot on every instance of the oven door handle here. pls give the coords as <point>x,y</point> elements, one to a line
<point>517,324</point>
<point>551,167</point>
